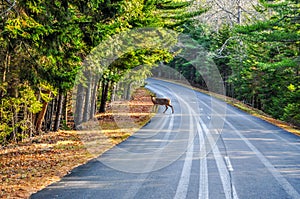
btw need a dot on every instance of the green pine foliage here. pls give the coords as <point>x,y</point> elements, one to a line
<point>264,59</point>
<point>259,62</point>
<point>44,43</point>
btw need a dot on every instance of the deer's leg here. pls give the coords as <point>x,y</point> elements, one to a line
<point>154,108</point>
<point>172,108</point>
<point>166,108</point>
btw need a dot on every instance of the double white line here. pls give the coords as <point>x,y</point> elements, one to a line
<point>182,188</point>
<point>223,164</point>
<point>289,189</point>
<point>224,167</point>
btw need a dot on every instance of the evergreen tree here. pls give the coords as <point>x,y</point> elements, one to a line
<point>264,59</point>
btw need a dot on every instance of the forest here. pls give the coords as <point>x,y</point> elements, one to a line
<point>53,50</point>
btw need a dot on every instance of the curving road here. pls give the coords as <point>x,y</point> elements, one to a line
<point>206,149</point>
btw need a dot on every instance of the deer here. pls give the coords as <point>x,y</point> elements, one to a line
<point>162,101</point>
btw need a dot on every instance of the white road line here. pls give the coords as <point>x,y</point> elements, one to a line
<point>249,118</point>
<point>229,165</point>
<point>277,175</point>
<point>182,187</point>
<point>289,189</point>
<point>229,190</point>
<point>183,184</point>
<point>203,178</point>
<point>228,187</point>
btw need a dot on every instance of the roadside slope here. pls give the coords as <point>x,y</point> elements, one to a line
<point>33,164</point>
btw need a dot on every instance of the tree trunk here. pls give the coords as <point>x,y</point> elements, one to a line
<point>39,121</point>
<point>6,64</point>
<point>94,98</point>
<point>105,86</point>
<point>79,105</point>
<point>47,117</point>
<point>113,94</point>
<point>87,104</point>
<point>65,109</point>
<point>58,111</point>
<point>128,91</point>
<point>51,109</point>
<point>15,128</point>
<point>192,74</point>
<point>239,15</point>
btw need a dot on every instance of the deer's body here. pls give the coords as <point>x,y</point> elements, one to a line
<point>162,101</point>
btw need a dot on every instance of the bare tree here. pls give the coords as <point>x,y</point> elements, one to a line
<point>228,12</point>
<point>6,6</point>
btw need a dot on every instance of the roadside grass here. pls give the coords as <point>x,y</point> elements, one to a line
<point>31,165</point>
<point>260,114</point>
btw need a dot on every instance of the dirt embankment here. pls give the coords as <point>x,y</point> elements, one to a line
<point>33,164</point>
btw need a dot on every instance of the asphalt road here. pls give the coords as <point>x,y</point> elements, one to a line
<point>206,149</point>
